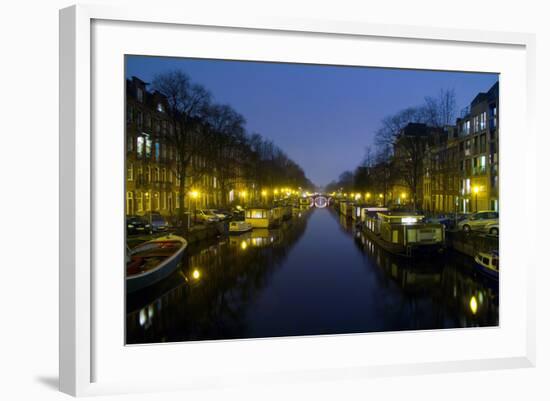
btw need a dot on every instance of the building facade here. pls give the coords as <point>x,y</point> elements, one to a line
<point>478,153</point>
<point>152,183</point>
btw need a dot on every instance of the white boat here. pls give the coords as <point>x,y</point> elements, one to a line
<point>153,261</point>
<point>487,262</point>
<point>239,227</point>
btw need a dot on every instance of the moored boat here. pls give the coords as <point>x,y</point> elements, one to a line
<point>153,261</point>
<point>404,233</point>
<point>487,263</point>
<point>239,227</point>
<point>262,217</point>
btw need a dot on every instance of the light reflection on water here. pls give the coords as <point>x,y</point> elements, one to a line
<point>312,275</point>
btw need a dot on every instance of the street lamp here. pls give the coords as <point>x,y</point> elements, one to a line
<point>476,190</point>
<point>195,195</point>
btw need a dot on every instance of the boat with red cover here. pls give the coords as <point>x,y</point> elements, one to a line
<point>153,261</point>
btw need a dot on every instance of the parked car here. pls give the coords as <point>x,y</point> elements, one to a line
<point>137,225</point>
<point>441,219</point>
<point>479,221</point>
<point>492,229</point>
<point>205,216</point>
<point>158,222</point>
<point>222,215</point>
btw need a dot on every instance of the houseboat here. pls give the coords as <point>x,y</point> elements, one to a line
<point>306,203</point>
<point>356,212</point>
<point>369,217</point>
<point>346,209</point>
<point>404,233</point>
<point>262,217</point>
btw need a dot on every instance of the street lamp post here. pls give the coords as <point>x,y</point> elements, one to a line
<point>195,196</point>
<point>476,190</point>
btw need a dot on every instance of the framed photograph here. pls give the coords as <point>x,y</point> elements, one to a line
<point>261,200</point>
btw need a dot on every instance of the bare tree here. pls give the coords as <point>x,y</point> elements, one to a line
<point>188,104</point>
<point>226,145</point>
<point>441,110</point>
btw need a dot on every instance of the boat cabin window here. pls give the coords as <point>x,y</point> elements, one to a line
<point>486,261</point>
<point>256,214</point>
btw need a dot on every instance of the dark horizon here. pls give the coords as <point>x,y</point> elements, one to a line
<point>322,116</point>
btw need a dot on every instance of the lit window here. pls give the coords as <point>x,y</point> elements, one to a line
<point>140,145</point>
<point>160,108</point>
<point>130,172</point>
<point>148,144</point>
<point>129,203</point>
<point>139,201</point>
<point>157,150</point>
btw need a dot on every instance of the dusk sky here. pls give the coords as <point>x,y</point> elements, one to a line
<point>323,117</point>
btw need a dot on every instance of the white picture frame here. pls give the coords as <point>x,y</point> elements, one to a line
<point>84,352</point>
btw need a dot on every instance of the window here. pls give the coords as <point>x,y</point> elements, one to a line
<point>140,95</point>
<point>177,199</point>
<point>139,201</point>
<point>163,201</point>
<point>156,177</point>
<point>130,172</point>
<point>148,144</point>
<point>140,146</point>
<point>139,119</point>
<point>157,150</point>
<point>466,127</point>
<point>163,175</point>
<point>129,115</point>
<point>129,203</point>
<point>476,123</point>
<point>483,121</point>
<point>148,120</point>
<point>483,143</point>
<point>147,202</point>
<point>129,143</point>
<point>160,107</point>
<point>493,117</point>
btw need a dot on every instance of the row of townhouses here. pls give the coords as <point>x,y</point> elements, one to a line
<point>458,165</point>
<point>151,182</point>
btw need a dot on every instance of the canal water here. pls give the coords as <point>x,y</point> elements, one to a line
<point>312,275</point>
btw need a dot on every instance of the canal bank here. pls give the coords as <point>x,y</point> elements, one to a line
<point>313,275</point>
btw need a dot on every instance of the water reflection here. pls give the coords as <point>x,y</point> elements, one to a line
<point>448,289</point>
<point>208,296</point>
<point>313,275</point>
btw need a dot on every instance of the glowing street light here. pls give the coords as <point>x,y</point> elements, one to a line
<point>196,274</point>
<point>476,191</point>
<point>195,195</point>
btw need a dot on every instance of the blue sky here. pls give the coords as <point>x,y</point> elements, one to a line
<point>323,117</point>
